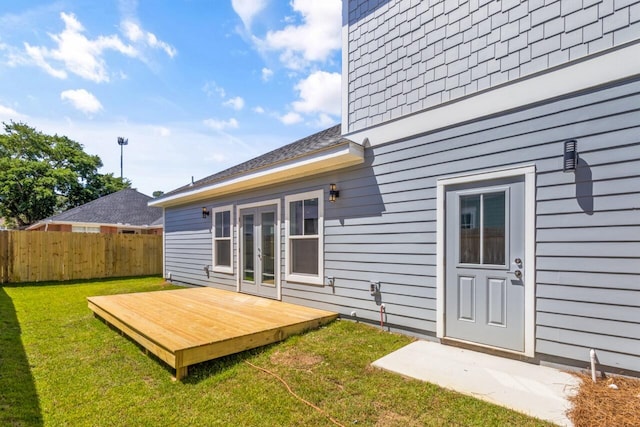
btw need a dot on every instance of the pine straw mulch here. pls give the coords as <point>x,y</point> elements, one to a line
<point>596,404</point>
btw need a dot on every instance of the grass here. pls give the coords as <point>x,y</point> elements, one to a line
<point>61,366</point>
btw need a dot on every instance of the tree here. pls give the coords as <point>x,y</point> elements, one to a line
<point>42,174</point>
<point>157,194</point>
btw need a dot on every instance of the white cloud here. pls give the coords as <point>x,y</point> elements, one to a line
<point>258,110</point>
<point>73,52</point>
<point>221,125</point>
<point>236,103</point>
<point>248,9</point>
<point>82,100</point>
<point>8,113</point>
<point>267,74</point>
<point>137,35</point>
<point>324,121</point>
<point>162,131</point>
<point>211,89</point>
<point>76,53</point>
<point>216,157</point>
<point>320,92</point>
<point>290,118</point>
<point>314,40</point>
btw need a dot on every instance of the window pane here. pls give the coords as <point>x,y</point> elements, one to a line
<point>295,218</point>
<point>470,229</point>
<point>304,256</point>
<point>247,248</point>
<point>223,253</point>
<point>493,241</point>
<point>310,217</point>
<point>226,224</point>
<point>218,224</point>
<point>268,247</point>
<point>223,224</point>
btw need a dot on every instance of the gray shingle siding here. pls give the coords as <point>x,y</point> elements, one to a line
<point>431,44</point>
<point>383,226</point>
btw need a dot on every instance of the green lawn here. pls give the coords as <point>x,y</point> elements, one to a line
<point>61,366</point>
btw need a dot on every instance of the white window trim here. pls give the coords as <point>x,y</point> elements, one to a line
<point>214,267</point>
<point>529,173</point>
<point>305,278</point>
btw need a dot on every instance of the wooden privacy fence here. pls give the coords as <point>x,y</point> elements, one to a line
<point>36,256</point>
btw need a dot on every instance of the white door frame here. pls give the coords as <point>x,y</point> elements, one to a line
<point>278,258</point>
<point>529,174</point>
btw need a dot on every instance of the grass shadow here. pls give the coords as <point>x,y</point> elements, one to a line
<point>77,281</point>
<point>19,404</point>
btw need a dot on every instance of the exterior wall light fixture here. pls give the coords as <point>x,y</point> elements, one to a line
<point>205,212</point>
<point>333,193</point>
<point>570,155</point>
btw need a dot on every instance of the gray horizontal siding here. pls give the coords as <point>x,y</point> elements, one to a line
<point>188,248</point>
<point>383,226</point>
<point>610,280</point>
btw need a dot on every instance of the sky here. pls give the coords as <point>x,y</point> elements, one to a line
<point>196,86</point>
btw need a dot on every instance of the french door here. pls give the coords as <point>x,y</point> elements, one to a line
<point>259,251</point>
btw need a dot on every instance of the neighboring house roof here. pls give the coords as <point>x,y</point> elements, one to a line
<point>339,151</point>
<point>126,206</point>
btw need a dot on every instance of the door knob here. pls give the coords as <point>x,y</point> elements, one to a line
<point>518,274</point>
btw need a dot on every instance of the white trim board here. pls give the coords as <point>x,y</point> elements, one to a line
<point>345,67</point>
<point>529,174</point>
<point>616,64</point>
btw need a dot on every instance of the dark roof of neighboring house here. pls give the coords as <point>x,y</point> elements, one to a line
<point>126,206</point>
<point>310,144</point>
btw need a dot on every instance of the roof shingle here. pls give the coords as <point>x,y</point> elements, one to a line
<point>126,206</point>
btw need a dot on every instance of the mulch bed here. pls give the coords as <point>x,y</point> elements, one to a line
<point>601,404</point>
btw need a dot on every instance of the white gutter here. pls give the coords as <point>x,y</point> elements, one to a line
<point>334,158</point>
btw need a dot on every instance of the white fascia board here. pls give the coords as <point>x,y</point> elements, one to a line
<point>334,158</point>
<point>616,64</point>
<point>345,66</point>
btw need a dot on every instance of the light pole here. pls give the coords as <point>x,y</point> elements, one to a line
<point>122,142</point>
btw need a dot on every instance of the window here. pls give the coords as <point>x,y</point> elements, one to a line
<point>482,228</point>
<point>304,226</point>
<point>84,229</point>
<point>222,254</point>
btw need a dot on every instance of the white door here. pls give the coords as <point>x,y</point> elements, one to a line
<point>258,251</point>
<point>484,288</point>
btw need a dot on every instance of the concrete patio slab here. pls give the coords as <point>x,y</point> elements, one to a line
<point>535,390</point>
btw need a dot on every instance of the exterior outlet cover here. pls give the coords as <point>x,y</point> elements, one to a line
<point>374,287</point>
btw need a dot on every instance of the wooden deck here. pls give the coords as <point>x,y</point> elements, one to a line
<point>188,326</point>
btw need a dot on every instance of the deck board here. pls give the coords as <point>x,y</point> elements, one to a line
<point>187,326</point>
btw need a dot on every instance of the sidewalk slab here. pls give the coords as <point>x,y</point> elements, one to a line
<point>538,391</point>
